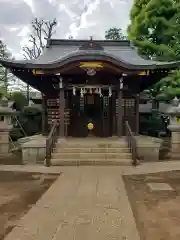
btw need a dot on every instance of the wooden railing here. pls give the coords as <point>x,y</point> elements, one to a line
<point>51,142</point>
<point>132,144</point>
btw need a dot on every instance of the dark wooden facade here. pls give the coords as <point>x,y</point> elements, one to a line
<point>114,67</point>
<point>108,114</point>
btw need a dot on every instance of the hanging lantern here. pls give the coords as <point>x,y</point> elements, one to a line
<point>96,91</point>
<point>121,83</point>
<point>84,90</point>
<point>110,92</point>
<point>60,83</point>
<point>81,92</point>
<point>74,91</point>
<point>100,93</point>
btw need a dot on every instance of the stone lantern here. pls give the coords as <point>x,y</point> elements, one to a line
<point>6,114</point>
<point>174,113</point>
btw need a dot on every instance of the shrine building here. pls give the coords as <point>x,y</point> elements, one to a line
<point>90,81</point>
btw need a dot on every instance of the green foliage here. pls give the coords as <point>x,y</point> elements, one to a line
<point>154,28</point>
<point>169,87</point>
<point>16,133</point>
<point>30,119</point>
<point>5,54</point>
<point>31,111</point>
<point>20,100</point>
<point>151,124</point>
<point>114,34</point>
<point>2,93</point>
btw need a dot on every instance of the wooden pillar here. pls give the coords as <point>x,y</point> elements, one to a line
<point>114,127</point>
<point>44,116</point>
<point>137,114</point>
<point>119,114</point>
<point>61,110</point>
<point>120,108</point>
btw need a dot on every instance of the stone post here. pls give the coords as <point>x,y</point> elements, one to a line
<point>6,114</point>
<point>4,138</point>
<point>174,127</point>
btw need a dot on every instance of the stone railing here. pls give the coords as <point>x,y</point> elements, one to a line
<point>33,149</point>
<point>148,148</point>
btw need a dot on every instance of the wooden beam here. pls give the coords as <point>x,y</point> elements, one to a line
<point>114,125</point>
<point>44,116</point>
<point>137,114</point>
<point>119,113</point>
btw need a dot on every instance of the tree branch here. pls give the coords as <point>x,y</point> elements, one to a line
<point>41,29</point>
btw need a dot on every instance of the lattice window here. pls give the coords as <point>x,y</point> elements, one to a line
<point>130,102</point>
<point>105,101</point>
<point>129,107</point>
<point>53,102</point>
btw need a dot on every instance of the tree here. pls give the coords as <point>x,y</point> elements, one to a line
<point>41,30</point>
<point>5,54</point>
<point>168,87</point>
<point>2,93</point>
<point>114,34</point>
<point>20,100</point>
<point>8,82</point>
<point>155,30</point>
<point>30,121</point>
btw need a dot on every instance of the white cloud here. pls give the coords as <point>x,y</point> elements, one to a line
<point>79,18</point>
<point>29,2</point>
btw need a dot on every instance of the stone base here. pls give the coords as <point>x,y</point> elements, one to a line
<point>4,148</point>
<point>34,150</point>
<point>174,156</point>
<point>5,155</point>
<point>10,159</point>
<point>4,139</point>
<point>148,148</point>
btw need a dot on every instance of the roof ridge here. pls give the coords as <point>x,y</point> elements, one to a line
<point>79,42</point>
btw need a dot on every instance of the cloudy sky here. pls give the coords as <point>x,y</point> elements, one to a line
<point>78,18</point>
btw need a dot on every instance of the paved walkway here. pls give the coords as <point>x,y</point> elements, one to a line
<point>84,203</point>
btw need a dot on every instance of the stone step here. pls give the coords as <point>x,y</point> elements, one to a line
<point>91,145</point>
<point>83,155</point>
<point>95,139</point>
<point>91,150</point>
<point>91,162</point>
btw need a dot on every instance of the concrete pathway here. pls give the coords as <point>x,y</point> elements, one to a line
<point>146,167</point>
<point>84,203</point>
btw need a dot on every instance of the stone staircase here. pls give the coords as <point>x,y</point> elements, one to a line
<point>91,151</point>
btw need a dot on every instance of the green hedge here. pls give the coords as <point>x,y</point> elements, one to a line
<point>151,124</point>
<point>30,119</point>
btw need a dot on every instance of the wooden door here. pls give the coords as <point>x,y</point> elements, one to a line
<point>78,122</point>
